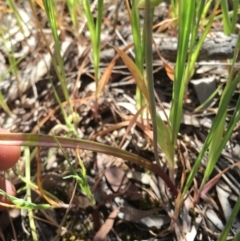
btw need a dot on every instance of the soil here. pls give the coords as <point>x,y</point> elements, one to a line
<point>131,203</point>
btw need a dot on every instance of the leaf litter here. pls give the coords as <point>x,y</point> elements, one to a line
<point>129,200</point>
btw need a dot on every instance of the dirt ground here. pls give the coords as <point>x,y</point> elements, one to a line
<point>130,204</point>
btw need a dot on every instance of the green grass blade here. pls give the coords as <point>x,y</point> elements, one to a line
<point>206,9</point>
<point>237,237</point>
<point>230,221</point>
<point>226,20</point>
<point>95,33</point>
<point>4,105</point>
<point>12,5</point>
<point>165,142</point>
<point>209,138</point>
<point>98,35</point>
<point>137,38</point>
<point>218,139</point>
<point>29,192</point>
<point>219,142</point>
<point>138,42</point>
<point>175,8</point>
<point>72,5</point>
<point>49,141</point>
<point>164,130</point>
<point>67,120</point>
<point>209,99</point>
<point>22,204</point>
<point>235,15</point>
<point>222,108</point>
<point>195,48</point>
<point>186,18</point>
<point>90,22</point>
<point>149,70</point>
<point>153,3</point>
<point>58,61</point>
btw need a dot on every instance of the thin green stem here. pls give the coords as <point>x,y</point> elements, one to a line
<point>149,69</point>
<point>29,192</point>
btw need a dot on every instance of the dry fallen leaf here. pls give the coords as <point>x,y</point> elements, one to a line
<point>106,227</point>
<point>137,75</point>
